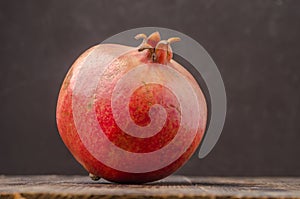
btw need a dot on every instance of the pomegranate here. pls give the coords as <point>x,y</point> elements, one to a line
<point>131,114</point>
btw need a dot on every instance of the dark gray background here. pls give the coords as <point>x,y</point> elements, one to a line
<point>254,43</point>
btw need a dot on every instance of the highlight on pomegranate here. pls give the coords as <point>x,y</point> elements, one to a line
<point>130,113</point>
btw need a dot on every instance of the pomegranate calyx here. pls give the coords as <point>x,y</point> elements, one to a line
<point>160,51</point>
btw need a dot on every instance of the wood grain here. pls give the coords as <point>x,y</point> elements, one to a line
<point>81,187</point>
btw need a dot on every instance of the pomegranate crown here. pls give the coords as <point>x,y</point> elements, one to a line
<point>160,51</point>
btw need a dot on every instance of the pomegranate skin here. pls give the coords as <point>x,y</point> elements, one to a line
<point>117,61</point>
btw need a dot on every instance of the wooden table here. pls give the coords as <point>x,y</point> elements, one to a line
<point>29,187</point>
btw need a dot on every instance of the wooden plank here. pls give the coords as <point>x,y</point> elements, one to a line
<point>81,187</point>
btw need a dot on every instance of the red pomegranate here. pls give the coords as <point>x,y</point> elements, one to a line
<point>131,114</point>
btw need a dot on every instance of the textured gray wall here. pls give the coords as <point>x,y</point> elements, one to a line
<point>255,43</point>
